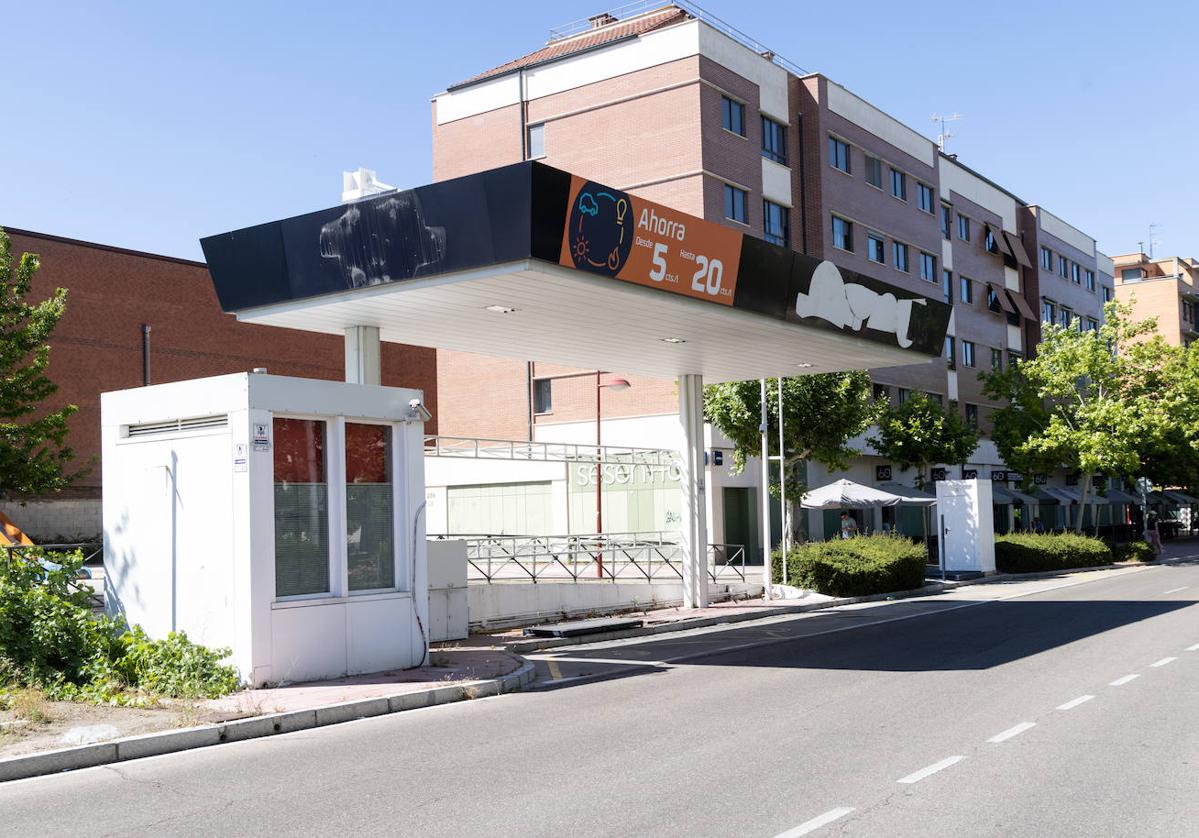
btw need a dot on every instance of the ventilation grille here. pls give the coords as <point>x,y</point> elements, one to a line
<point>176,425</point>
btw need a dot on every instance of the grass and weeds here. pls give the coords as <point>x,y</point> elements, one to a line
<point>1033,552</point>
<point>52,643</point>
<point>861,566</point>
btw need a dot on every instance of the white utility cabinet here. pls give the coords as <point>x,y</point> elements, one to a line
<point>965,518</point>
<point>280,517</point>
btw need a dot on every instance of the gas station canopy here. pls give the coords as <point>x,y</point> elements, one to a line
<point>531,262</point>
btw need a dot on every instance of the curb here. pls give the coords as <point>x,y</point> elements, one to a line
<point>154,744</point>
<point>525,646</point>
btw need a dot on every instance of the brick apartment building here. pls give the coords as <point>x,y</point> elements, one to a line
<point>673,105</point>
<point>100,345</point>
<point>1167,289</point>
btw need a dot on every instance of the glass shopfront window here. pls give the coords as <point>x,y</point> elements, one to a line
<point>370,539</point>
<point>301,508</point>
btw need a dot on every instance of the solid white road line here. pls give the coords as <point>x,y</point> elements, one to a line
<point>1119,682</point>
<point>1176,590</point>
<point>1074,702</point>
<point>817,822</point>
<point>1194,648</point>
<point>1163,661</point>
<point>1012,731</point>
<point>930,770</point>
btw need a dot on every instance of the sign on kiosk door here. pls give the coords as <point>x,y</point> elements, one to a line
<point>613,233</point>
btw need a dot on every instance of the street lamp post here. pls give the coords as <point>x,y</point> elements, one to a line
<point>616,384</point>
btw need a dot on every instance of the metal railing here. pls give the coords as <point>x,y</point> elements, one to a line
<point>631,10</point>
<point>29,554</point>
<point>610,557</point>
<point>545,452</point>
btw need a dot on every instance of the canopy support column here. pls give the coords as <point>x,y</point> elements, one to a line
<point>695,525</point>
<point>364,363</point>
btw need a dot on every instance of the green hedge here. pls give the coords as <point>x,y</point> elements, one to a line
<point>861,566</point>
<point>1031,552</point>
<point>1133,551</point>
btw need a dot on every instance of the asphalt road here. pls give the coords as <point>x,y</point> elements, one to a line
<point>994,710</point>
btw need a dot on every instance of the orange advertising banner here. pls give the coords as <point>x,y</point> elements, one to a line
<point>613,233</point>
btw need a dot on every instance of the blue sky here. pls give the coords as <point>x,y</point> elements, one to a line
<point>149,125</point>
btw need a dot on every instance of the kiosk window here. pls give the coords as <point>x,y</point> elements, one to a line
<point>370,543</point>
<point>301,508</point>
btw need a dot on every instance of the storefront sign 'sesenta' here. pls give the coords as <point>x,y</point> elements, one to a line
<point>533,211</point>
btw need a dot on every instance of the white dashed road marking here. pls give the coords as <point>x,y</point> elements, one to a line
<point>1070,705</point>
<point>930,770</point>
<point>817,822</point>
<point>1012,731</point>
<point>1163,661</point>
<point>1176,590</point>
<point>1119,682</point>
<point>1194,648</point>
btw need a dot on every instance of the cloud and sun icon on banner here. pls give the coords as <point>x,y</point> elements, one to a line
<point>600,229</point>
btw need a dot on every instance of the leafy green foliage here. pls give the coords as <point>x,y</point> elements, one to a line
<point>821,413</point>
<point>860,566</point>
<point>1033,552</point>
<point>921,432</point>
<point>1133,551</point>
<point>33,450</point>
<point>50,640</point>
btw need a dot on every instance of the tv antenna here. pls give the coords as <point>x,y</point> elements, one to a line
<point>944,136</point>
<point>1153,228</point>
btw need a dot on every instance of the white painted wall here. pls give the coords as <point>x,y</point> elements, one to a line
<point>955,178</point>
<point>776,183</point>
<point>770,78</point>
<point>865,115</point>
<point>1068,233</point>
<point>189,527</point>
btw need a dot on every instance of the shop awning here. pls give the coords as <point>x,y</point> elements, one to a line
<point>1119,497</point>
<point>847,494</point>
<point>531,262</point>
<point>1017,246</point>
<point>1001,295</point>
<point>1002,495</point>
<point>1180,497</point>
<point>1057,494</point>
<point>1022,305</point>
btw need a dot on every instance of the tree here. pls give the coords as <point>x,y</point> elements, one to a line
<point>33,450</point>
<point>1085,406</point>
<point>920,432</point>
<point>821,413</point>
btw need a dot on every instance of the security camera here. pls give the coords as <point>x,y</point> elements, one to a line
<point>417,412</point>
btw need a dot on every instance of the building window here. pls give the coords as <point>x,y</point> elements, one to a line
<point>1131,274</point>
<point>951,358</point>
<point>543,395</point>
<point>774,140</point>
<point>901,257</point>
<point>1048,311</point>
<point>1090,274</point>
<point>874,172</point>
<point>838,154</point>
<point>901,395</point>
<point>963,228</point>
<point>966,292</point>
<point>1188,311</point>
<point>1065,317</point>
<point>989,243</point>
<point>968,353</point>
<point>735,203</point>
<point>776,222</point>
<point>1076,273</point>
<point>947,286</point>
<point>536,141</point>
<point>301,508</point>
<point>1107,294</point>
<point>1046,258</point>
<point>972,415</point>
<point>924,197</point>
<point>1092,325</point>
<point>946,221</point>
<point>734,116</point>
<point>1063,266</point>
<point>882,393</point>
<point>928,267</point>
<point>876,249</point>
<point>938,398</point>
<point>842,234</point>
<point>1014,356</point>
<point>997,359</point>
<point>899,184</point>
<point>370,540</point>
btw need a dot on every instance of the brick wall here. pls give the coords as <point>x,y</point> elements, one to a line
<point>97,345</point>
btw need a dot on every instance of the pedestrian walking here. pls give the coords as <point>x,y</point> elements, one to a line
<point>1153,536</point>
<point>849,527</point>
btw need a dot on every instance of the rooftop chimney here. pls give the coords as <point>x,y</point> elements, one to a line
<point>602,19</point>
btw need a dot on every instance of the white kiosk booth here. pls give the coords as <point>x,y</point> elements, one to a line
<point>279,517</point>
